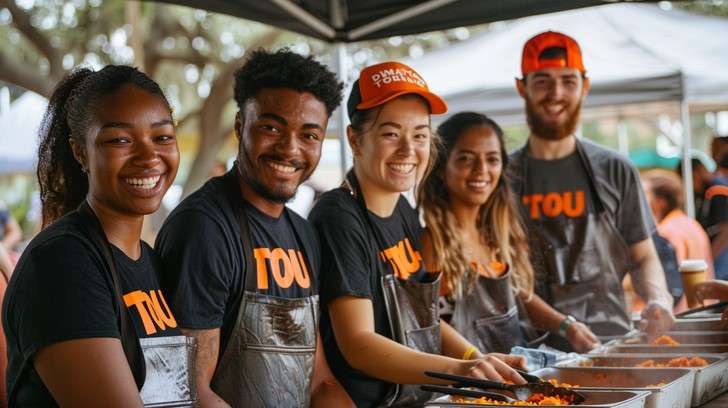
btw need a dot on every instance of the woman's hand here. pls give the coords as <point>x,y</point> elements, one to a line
<point>581,338</point>
<point>492,366</point>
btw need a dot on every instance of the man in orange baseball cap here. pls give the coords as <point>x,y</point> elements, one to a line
<point>588,220</point>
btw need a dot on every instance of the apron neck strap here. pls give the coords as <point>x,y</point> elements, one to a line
<point>129,339</point>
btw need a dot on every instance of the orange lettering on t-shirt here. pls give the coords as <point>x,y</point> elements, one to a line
<point>261,254</point>
<point>164,314</point>
<point>555,204</point>
<point>552,205</point>
<point>403,258</point>
<point>282,275</point>
<point>150,310</point>
<point>574,207</point>
<point>300,271</point>
<point>286,268</point>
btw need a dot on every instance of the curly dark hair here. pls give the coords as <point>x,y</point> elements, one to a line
<point>71,109</point>
<point>286,69</point>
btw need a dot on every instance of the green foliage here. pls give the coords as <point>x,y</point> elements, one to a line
<point>708,7</point>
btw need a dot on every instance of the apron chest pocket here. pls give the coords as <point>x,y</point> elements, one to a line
<point>170,371</point>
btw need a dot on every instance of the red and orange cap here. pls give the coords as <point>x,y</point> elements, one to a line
<point>534,47</point>
<point>380,83</point>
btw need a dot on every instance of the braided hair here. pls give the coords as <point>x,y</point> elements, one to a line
<point>71,109</point>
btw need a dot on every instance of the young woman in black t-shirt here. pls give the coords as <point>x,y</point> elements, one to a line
<point>370,253</point>
<point>108,153</point>
<point>475,238</point>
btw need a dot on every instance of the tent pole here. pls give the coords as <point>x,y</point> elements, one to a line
<point>342,117</point>
<point>622,137</point>
<point>687,168</point>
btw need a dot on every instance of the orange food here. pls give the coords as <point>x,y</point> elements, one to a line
<point>556,383</point>
<point>665,341</point>
<point>675,362</point>
<point>660,384</point>
<point>534,401</point>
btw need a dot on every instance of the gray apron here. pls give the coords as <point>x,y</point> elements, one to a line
<point>579,263</point>
<point>488,316</point>
<point>269,357</point>
<point>412,310</point>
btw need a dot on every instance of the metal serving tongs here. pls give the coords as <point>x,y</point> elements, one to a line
<point>522,392</point>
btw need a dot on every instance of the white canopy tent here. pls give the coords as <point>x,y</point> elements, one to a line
<point>633,53</point>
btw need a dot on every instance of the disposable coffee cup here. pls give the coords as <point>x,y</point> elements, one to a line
<point>692,272</point>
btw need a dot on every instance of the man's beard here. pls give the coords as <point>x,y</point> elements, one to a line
<point>540,128</point>
<point>247,172</point>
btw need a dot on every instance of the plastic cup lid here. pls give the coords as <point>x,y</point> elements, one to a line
<point>693,265</point>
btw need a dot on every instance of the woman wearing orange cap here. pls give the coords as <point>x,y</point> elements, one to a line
<point>379,323</point>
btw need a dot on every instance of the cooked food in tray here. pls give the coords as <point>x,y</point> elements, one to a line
<point>678,362</point>
<point>674,363</point>
<point>534,401</point>
<point>665,341</point>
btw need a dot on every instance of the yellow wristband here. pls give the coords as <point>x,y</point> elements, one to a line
<point>469,352</point>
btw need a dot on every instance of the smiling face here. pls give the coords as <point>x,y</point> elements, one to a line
<point>553,101</point>
<point>474,167</point>
<point>392,153</point>
<point>130,152</point>
<point>281,132</point>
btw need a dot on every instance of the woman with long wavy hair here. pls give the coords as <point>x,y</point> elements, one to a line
<point>475,239</point>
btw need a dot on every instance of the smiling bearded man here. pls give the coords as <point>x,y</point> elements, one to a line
<point>589,223</point>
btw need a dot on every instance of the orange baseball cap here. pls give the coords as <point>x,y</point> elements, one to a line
<point>534,47</point>
<point>380,83</point>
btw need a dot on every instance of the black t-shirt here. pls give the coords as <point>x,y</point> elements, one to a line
<point>61,291</point>
<point>350,261</point>
<point>203,259</point>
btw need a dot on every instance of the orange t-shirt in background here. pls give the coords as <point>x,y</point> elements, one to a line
<point>690,241</point>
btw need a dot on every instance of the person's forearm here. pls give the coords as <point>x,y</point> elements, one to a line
<point>454,344</point>
<point>368,350</point>
<point>542,315</point>
<point>208,345</point>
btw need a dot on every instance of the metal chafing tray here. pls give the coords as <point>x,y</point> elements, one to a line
<point>701,324</point>
<point>683,349</point>
<point>703,315</point>
<point>668,388</point>
<point>594,399</point>
<point>684,337</point>
<point>710,381</point>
